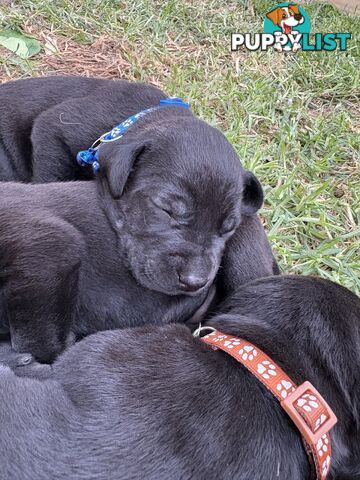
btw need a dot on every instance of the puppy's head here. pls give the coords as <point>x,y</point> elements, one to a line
<point>177,192</point>
<point>286,17</point>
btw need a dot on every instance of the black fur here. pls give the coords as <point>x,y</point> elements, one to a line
<point>156,403</point>
<point>141,244</point>
<point>46,121</point>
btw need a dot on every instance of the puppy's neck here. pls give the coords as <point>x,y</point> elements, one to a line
<point>334,377</point>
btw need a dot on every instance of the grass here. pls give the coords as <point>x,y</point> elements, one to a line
<point>293,119</point>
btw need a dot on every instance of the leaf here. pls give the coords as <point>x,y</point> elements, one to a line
<point>18,43</point>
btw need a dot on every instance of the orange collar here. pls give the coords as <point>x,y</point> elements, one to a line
<point>305,406</point>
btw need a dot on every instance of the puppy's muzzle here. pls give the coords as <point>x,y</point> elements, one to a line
<point>195,270</point>
<point>190,282</point>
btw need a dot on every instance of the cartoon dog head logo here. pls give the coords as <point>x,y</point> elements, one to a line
<point>287,18</point>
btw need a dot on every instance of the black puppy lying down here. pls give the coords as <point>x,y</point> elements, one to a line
<point>141,244</point>
<point>45,121</point>
<point>156,403</point>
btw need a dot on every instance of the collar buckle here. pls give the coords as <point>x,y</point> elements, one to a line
<point>310,412</point>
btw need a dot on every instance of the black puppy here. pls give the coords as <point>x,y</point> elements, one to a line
<point>144,249</point>
<point>157,403</point>
<point>46,121</point>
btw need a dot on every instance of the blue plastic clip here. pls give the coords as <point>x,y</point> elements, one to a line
<point>174,101</point>
<point>85,157</point>
<point>89,157</point>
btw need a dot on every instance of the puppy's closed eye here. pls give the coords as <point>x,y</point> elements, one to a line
<point>228,225</point>
<point>174,208</point>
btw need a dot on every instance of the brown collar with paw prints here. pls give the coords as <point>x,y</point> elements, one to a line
<point>305,406</point>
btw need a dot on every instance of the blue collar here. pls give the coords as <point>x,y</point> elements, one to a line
<point>91,155</point>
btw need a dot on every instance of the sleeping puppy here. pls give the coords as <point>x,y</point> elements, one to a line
<point>141,244</point>
<point>157,403</point>
<point>45,121</point>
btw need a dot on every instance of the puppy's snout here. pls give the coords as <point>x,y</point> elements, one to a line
<point>194,270</point>
<point>191,282</point>
<point>298,17</point>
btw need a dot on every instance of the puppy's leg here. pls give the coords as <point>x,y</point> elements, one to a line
<point>52,159</point>
<point>23,365</point>
<point>59,134</point>
<point>41,288</point>
<point>40,317</point>
<point>12,359</point>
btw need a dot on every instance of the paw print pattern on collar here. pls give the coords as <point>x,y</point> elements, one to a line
<point>232,342</point>
<point>285,388</point>
<point>266,369</point>
<point>248,352</point>
<point>305,406</point>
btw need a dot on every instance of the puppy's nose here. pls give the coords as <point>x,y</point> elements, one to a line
<point>191,282</point>
<point>298,16</point>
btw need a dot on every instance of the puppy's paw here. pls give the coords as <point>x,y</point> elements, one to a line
<point>13,359</point>
<point>40,371</point>
<point>22,364</point>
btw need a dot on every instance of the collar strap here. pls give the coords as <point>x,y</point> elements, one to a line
<point>91,155</point>
<point>305,406</point>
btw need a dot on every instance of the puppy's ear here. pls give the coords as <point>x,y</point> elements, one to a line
<point>273,16</point>
<point>294,8</point>
<point>253,195</point>
<point>117,162</point>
